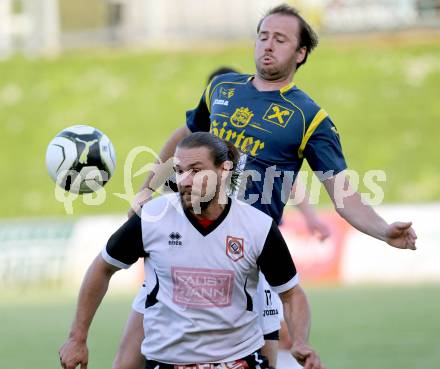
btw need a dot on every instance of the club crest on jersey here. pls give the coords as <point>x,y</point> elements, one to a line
<point>234,248</point>
<point>278,115</point>
<point>227,92</point>
<point>241,117</point>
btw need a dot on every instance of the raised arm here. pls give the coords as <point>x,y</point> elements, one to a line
<point>157,178</point>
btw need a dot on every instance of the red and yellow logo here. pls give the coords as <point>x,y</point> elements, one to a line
<point>235,248</point>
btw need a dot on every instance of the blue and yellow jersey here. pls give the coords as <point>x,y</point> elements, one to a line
<point>274,130</point>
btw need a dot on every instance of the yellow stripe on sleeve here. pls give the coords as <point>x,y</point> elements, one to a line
<point>317,120</point>
<point>208,97</point>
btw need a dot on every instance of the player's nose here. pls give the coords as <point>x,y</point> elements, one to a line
<point>269,45</point>
<point>185,180</point>
<point>268,49</point>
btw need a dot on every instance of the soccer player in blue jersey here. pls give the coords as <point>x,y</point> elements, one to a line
<point>276,126</point>
<point>314,224</point>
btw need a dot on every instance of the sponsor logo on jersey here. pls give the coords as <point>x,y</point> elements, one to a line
<point>175,238</point>
<point>241,117</point>
<point>202,288</point>
<point>227,92</point>
<point>234,248</point>
<point>270,312</point>
<point>278,115</point>
<point>221,102</point>
<point>246,144</point>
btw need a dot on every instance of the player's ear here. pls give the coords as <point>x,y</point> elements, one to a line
<point>301,54</point>
<point>227,165</point>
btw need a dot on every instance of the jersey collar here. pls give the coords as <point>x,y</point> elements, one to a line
<point>205,231</point>
<point>287,87</point>
<point>282,90</point>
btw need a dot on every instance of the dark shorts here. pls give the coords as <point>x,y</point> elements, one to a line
<point>272,336</point>
<point>252,361</point>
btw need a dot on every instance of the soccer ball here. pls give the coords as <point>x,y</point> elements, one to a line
<point>80,159</point>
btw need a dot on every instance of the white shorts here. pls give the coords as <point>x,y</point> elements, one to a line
<point>266,303</point>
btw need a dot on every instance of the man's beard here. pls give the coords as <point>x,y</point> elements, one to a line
<point>200,205</point>
<point>271,73</point>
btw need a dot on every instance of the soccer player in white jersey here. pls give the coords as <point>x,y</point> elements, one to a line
<point>203,252</point>
<point>266,304</point>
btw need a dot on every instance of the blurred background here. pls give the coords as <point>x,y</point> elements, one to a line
<point>132,68</point>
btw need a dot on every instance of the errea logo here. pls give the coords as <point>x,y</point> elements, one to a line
<point>174,239</point>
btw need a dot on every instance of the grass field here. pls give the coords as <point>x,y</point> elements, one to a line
<point>362,328</point>
<point>383,97</point>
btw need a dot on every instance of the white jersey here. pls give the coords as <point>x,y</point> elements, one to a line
<point>201,281</point>
<point>266,304</point>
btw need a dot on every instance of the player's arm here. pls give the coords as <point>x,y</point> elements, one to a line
<point>74,352</point>
<point>156,179</point>
<point>363,217</point>
<point>297,316</point>
<point>123,249</point>
<point>323,151</point>
<point>277,266</point>
<point>161,172</point>
<point>196,120</point>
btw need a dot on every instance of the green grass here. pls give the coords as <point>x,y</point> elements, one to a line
<point>377,327</point>
<point>363,328</point>
<point>383,98</point>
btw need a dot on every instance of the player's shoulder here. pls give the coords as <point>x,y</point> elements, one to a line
<point>304,102</point>
<point>303,98</point>
<point>254,215</point>
<point>160,206</point>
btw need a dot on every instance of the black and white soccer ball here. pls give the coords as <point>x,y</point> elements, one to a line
<point>80,159</point>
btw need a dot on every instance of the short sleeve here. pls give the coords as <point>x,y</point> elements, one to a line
<point>323,150</point>
<point>276,262</point>
<point>125,246</point>
<point>197,120</point>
